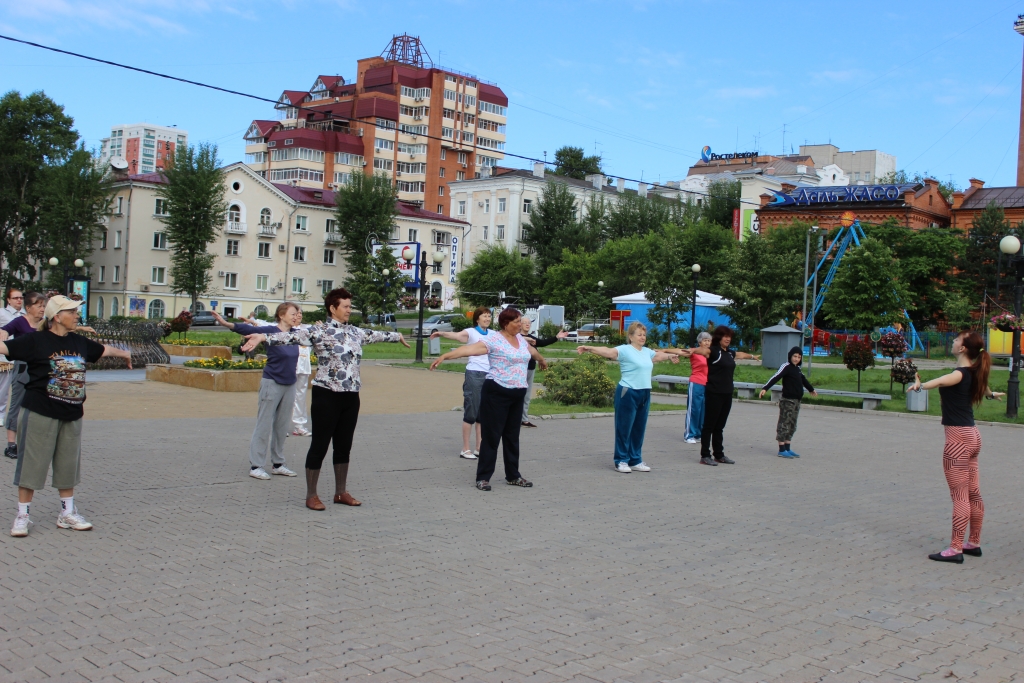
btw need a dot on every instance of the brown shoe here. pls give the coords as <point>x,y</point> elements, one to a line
<point>314,503</point>
<point>527,423</point>
<point>346,499</point>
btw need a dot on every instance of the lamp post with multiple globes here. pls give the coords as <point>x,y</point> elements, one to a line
<point>409,254</point>
<point>1011,246</point>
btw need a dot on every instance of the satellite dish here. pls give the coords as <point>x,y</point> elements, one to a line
<point>119,163</point>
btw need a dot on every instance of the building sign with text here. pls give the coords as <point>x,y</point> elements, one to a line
<point>808,196</point>
<point>453,265</point>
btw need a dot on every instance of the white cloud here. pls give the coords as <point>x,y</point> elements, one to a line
<point>141,15</point>
<point>745,93</point>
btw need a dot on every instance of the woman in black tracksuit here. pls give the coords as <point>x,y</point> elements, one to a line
<point>793,384</point>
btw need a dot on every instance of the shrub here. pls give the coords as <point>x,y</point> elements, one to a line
<point>903,371</point>
<point>893,344</point>
<point>858,355</point>
<point>616,338</point>
<point>584,381</point>
<point>190,342</point>
<point>225,364</point>
<point>461,323</point>
<point>548,329</point>
<point>317,316</point>
<point>181,323</point>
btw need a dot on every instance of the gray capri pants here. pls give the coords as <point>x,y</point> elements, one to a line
<point>471,388</point>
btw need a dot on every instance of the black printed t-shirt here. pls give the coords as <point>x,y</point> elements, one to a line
<point>56,371</point>
<point>721,365</point>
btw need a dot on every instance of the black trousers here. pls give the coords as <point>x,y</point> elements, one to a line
<point>716,414</point>
<point>334,415</point>
<point>501,415</point>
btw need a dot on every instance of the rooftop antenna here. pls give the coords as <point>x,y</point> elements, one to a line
<point>783,139</point>
<point>407,50</point>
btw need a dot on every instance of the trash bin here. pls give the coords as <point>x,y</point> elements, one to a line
<point>917,401</point>
<point>776,341</point>
<point>434,347</point>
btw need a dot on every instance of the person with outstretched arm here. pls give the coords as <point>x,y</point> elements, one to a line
<point>473,381</point>
<point>793,385</point>
<point>536,343</point>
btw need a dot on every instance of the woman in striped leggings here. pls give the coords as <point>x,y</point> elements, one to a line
<point>966,386</point>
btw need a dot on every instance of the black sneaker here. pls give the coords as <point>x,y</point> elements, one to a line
<point>708,461</point>
<point>483,485</point>
<point>11,451</point>
<point>724,460</point>
<point>520,482</point>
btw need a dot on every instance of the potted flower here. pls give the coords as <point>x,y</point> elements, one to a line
<point>1007,322</point>
<point>904,371</point>
<point>893,344</point>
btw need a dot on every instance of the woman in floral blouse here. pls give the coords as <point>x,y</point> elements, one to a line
<point>335,404</point>
<point>501,400</point>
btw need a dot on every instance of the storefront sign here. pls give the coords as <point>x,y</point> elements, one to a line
<point>410,269</point>
<point>454,264</point>
<point>706,155</point>
<point>805,196</point>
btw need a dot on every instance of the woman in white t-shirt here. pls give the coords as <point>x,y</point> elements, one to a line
<point>476,373</point>
<point>633,394</point>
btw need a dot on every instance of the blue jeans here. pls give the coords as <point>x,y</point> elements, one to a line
<point>631,408</point>
<point>694,411</point>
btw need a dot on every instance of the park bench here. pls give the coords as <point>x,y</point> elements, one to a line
<point>750,389</point>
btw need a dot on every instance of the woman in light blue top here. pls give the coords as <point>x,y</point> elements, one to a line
<point>633,394</point>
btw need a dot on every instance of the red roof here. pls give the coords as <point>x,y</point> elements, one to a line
<point>331,81</point>
<point>382,75</point>
<point>155,178</point>
<point>412,77</point>
<point>302,137</point>
<point>411,210</point>
<point>492,94</point>
<point>294,97</point>
<point>307,195</point>
<point>377,106</point>
<point>264,126</point>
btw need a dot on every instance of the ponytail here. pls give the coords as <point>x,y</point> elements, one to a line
<point>981,364</point>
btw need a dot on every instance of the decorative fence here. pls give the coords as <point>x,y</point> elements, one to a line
<point>141,338</point>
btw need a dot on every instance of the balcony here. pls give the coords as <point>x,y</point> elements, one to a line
<point>269,229</point>
<point>236,228</point>
<point>332,238</point>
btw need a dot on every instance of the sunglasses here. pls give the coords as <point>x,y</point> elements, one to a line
<point>15,298</point>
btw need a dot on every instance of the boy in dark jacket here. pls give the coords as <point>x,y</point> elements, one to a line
<point>793,383</point>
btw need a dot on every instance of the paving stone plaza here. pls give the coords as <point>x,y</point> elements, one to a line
<point>769,570</point>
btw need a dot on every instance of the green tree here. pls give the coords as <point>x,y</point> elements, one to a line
<point>195,196</point>
<point>372,291</point>
<point>723,197</point>
<point>574,163</point>
<point>573,284</point>
<point>763,286</point>
<point>622,264</point>
<point>554,226</point>
<point>859,356</point>
<point>35,134</point>
<point>76,197</point>
<point>792,238</point>
<point>366,204</point>
<point>495,269</point>
<point>978,263</point>
<point>956,309</point>
<point>636,215</point>
<point>867,291</point>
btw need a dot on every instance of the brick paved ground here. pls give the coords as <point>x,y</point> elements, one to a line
<point>773,570</point>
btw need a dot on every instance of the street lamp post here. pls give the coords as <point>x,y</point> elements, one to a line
<point>807,264</point>
<point>1011,246</point>
<point>54,261</point>
<point>693,309</point>
<point>409,254</point>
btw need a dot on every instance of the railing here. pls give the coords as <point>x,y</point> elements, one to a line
<point>142,338</point>
<point>332,238</point>
<point>329,125</point>
<point>236,228</point>
<point>269,229</point>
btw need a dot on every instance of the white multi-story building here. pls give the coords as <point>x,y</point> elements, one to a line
<point>864,167</point>
<point>144,146</point>
<point>278,243</point>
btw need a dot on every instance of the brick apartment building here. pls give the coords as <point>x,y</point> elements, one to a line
<point>422,125</point>
<point>969,204</point>
<point>144,146</point>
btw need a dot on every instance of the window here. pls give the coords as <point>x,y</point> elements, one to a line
<point>99,308</point>
<point>460,175</point>
<point>470,100</point>
<point>234,214</point>
<point>103,240</point>
<point>440,208</point>
<point>417,93</point>
<point>486,162</point>
<point>279,174</point>
<point>410,186</point>
<point>450,78</point>
<point>114,308</point>
<point>385,124</point>
<point>158,276</point>
<point>444,154</point>
<point>450,95</point>
<point>382,144</point>
<point>406,148</point>
<point>467,136</point>
<point>348,159</point>
<point>230,280</point>
<point>262,282</point>
<point>341,178</point>
<point>299,254</point>
<point>117,240</point>
<point>492,108</point>
<point>328,258</point>
<point>485,124</point>
<point>440,191</point>
<point>298,285</point>
<point>331,225</point>
<point>162,207</point>
<point>301,223</point>
<point>413,234</point>
<point>263,250</point>
<point>499,232</point>
<point>527,205</point>
<point>470,119</point>
<point>156,309</point>
<point>856,176</point>
<point>289,141</point>
<point>232,248</point>
<point>160,240</point>
<point>326,286</point>
<point>103,273</point>
<point>487,206</point>
<point>441,238</point>
<point>383,164</point>
<point>117,274</point>
<point>120,206</point>
<point>448,113</point>
<point>265,216</point>
<point>485,233</point>
<point>447,132</point>
<point>501,205</point>
<point>490,144</point>
<point>303,153</point>
<point>407,167</point>
<point>462,157</point>
<point>413,130</point>
<point>440,173</point>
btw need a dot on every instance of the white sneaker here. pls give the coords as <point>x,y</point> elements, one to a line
<point>692,441</point>
<point>642,467</point>
<point>300,431</point>
<point>259,473</point>
<point>468,455</point>
<point>283,471</point>
<point>623,467</point>
<point>73,520</point>
<point>21,525</point>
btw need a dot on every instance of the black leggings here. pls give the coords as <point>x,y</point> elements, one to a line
<point>716,414</point>
<point>501,415</point>
<point>334,415</point>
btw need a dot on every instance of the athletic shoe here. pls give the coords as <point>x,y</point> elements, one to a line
<point>21,525</point>
<point>468,455</point>
<point>483,485</point>
<point>299,431</point>
<point>708,461</point>
<point>786,454</point>
<point>642,467</point>
<point>519,481</point>
<point>974,552</point>
<point>792,454</point>
<point>12,451</point>
<point>283,471</point>
<point>724,460</point>
<point>692,440</point>
<point>957,558</point>
<point>259,473</point>
<point>73,520</point>
<point>622,467</point>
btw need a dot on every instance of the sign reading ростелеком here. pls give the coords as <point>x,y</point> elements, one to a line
<point>706,155</point>
<point>804,196</point>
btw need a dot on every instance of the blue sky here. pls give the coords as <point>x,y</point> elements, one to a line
<point>646,84</point>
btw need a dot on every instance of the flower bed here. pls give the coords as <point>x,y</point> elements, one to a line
<point>184,341</point>
<point>226,364</point>
<point>197,350</point>
<point>1007,322</point>
<point>210,379</point>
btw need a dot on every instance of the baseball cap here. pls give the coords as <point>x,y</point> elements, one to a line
<point>59,303</point>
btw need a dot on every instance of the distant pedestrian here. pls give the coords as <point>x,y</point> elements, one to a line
<point>29,320</point>
<point>718,394</point>
<point>501,398</point>
<point>793,385</point>
<point>695,390</point>
<point>959,391</point>
<point>532,367</point>
<point>473,383</point>
<point>633,394</point>
<point>10,372</point>
<point>50,422</point>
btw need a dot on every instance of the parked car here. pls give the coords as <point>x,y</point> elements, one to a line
<point>585,332</point>
<point>390,321</point>
<point>203,318</point>
<point>436,323</point>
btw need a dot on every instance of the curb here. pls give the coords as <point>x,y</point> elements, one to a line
<point>883,413</point>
